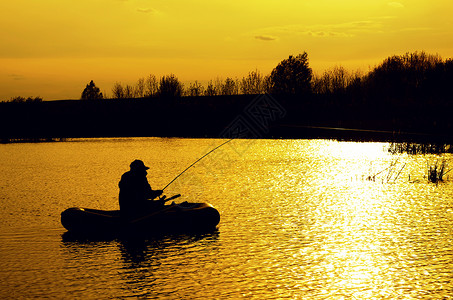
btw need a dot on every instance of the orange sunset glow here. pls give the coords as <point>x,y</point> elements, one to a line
<point>52,49</point>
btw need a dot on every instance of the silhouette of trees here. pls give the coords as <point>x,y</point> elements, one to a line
<point>410,76</point>
<point>253,83</point>
<point>292,76</point>
<point>123,92</point>
<point>91,92</point>
<point>129,91</point>
<point>416,76</point>
<point>382,99</point>
<point>230,87</point>
<point>405,76</point>
<point>117,91</point>
<point>170,87</point>
<point>439,82</point>
<point>195,89</point>
<point>216,87</point>
<point>334,81</point>
<point>151,86</point>
<point>211,89</point>
<point>20,99</point>
<point>139,90</point>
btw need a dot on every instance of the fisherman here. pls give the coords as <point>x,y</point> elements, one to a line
<point>136,193</point>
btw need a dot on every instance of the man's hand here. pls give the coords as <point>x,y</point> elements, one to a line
<point>154,194</point>
<point>165,199</point>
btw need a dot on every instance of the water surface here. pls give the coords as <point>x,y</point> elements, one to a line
<point>299,219</point>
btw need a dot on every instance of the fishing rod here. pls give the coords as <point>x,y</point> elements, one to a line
<point>196,162</point>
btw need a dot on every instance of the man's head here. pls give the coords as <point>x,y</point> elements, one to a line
<point>138,166</point>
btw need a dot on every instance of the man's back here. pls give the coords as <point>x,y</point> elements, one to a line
<point>134,192</point>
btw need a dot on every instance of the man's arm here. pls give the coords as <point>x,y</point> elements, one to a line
<point>155,193</point>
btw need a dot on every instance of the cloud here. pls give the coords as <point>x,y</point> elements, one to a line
<point>16,76</point>
<point>265,37</point>
<point>327,34</point>
<point>339,30</point>
<point>148,10</point>
<point>395,4</point>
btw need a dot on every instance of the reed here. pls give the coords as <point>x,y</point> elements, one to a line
<point>437,172</point>
<point>417,148</point>
<point>389,174</point>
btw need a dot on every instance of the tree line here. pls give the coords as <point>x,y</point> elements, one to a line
<point>169,86</point>
<point>410,77</point>
<point>20,99</point>
<point>292,75</point>
<point>406,97</point>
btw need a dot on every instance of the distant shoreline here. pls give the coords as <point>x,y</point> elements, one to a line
<point>241,116</point>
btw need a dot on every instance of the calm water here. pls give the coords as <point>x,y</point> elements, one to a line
<point>299,220</point>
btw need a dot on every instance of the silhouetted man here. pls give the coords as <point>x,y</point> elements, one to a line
<point>135,191</point>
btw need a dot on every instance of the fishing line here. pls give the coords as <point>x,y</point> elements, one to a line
<point>196,162</point>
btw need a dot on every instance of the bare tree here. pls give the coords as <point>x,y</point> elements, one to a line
<point>267,84</point>
<point>218,84</point>
<point>335,80</point>
<point>321,83</point>
<point>211,89</point>
<point>129,91</point>
<point>117,91</point>
<point>252,83</point>
<point>230,87</point>
<point>139,90</point>
<point>195,89</point>
<point>151,86</point>
<point>340,79</point>
<point>20,99</point>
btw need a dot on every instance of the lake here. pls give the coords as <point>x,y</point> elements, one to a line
<point>300,219</point>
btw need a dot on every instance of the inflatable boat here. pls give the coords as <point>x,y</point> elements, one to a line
<point>182,217</point>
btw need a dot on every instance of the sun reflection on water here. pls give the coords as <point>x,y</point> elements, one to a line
<point>355,234</point>
<point>353,247</point>
<point>300,219</point>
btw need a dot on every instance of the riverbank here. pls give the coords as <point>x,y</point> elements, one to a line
<point>242,116</point>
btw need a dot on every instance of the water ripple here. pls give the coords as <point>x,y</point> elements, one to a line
<point>299,220</point>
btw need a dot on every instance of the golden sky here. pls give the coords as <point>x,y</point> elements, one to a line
<point>53,48</point>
